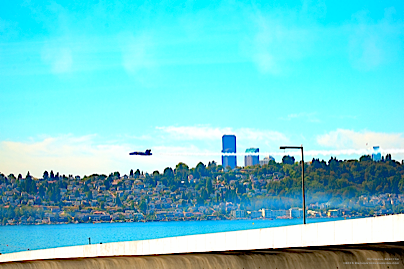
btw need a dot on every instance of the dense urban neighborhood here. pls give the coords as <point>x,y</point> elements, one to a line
<point>335,188</point>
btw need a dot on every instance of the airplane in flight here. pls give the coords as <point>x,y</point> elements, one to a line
<point>146,153</point>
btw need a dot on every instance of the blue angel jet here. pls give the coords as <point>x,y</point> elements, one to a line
<point>146,153</point>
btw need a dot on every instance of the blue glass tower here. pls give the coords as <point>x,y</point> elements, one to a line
<point>376,155</point>
<point>251,157</point>
<point>229,146</point>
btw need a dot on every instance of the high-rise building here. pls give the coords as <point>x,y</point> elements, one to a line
<point>376,155</point>
<point>251,157</point>
<point>266,160</point>
<point>229,146</point>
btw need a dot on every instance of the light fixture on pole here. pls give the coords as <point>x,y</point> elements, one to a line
<point>304,199</point>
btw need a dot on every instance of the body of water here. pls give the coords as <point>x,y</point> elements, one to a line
<point>31,237</point>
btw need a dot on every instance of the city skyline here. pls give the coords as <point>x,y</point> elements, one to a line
<point>82,86</point>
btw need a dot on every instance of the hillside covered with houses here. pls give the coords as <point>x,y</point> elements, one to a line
<point>206,192</point>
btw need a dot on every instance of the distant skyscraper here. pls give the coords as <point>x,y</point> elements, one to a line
<point>376,155</point>
<point>251,157</point>
<point>229,146</point>
<point>266,160</point>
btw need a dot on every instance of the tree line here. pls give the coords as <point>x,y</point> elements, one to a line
<point>332,180</point>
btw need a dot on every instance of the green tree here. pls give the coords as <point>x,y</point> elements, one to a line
<point>86,188</point>
<point>209,186</point>
<point>288,159</point>
<point>11,178</point>
<point>117,174</point>
<point>118,201</point>
<point>201,169</point>
<point>143,206</point>
<point>168,172</point>
<point>181,171</point>
<point>204,194</point>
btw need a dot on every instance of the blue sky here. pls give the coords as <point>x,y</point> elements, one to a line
<point>82,84</point>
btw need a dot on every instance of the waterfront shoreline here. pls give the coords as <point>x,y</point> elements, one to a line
<point>23,237</point>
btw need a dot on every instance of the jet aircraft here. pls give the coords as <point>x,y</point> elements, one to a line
<point>146,153</point>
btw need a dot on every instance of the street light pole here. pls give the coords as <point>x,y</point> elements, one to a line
<point>304,199</point>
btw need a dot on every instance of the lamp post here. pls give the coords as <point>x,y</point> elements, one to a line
<point>304,199</point>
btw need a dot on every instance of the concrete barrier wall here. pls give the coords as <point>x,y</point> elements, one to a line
<point>354,231</point>
<point>361,256</point>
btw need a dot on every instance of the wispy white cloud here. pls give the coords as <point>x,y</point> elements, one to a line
<point>350,139</point>
<point>69,154</point>
<point>372,43</point>
<point>275,45</point>
<point>66,154</point>
<point>193,132</point>
<point>83,155</point>
<point>137,52</point>
<point>58,56</point>
<point>314,9</point>
<point>145,137</point>
<point>7,29</point>
<point>212,133</point>
<point>342,117</point>
<point>258,135</point>
<point>310,117</point>
<point>284,37</point>
<point>57,50</point>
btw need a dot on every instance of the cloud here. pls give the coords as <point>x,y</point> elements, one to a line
<point>143,137</point>
<point>84,155</point>
<point>194,132</point>
<point>310,117</point>
<point>266,62</point>
<point>372,44</point>
<point>281,37</point>
<point>211,133</point>
<point>137,52</point>
<point>58,56</point>
<point>349,139</point>
<point>342,117</point>
<point>256,135</point>
<point>67,154</point>
<point>276,45</point>
<point>7,29</point>
<point>316,9</point>
<point>284,37</point>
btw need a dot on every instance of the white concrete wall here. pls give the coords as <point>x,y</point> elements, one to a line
<point>355,231</point>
